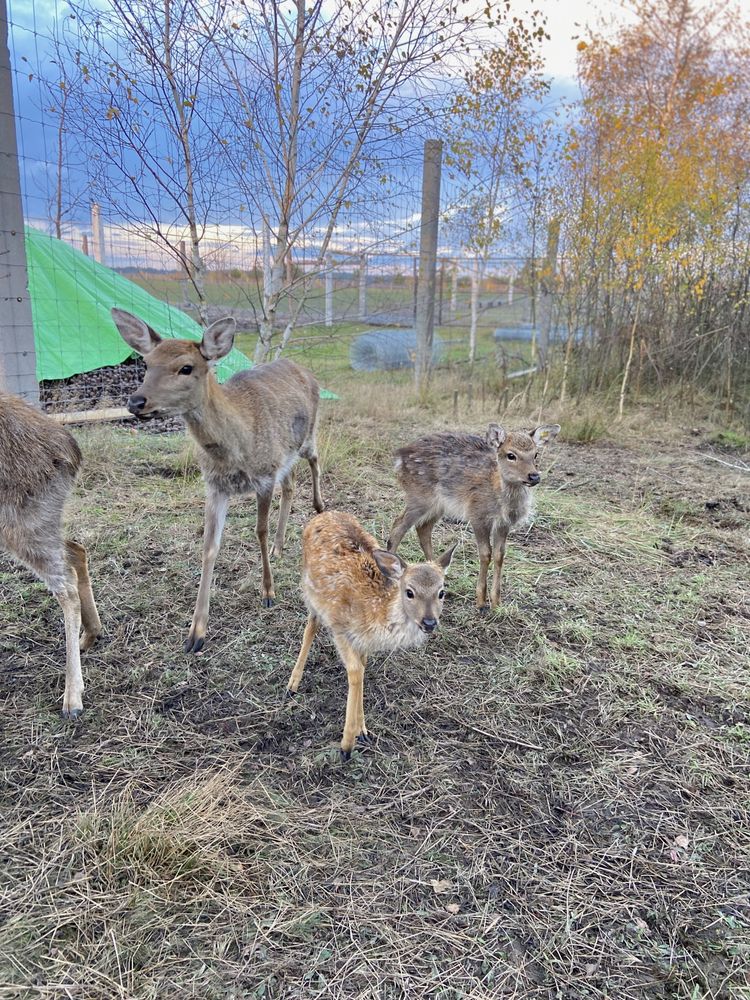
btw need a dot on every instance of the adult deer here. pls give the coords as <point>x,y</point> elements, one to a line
<point>369,599</point>
<point>250,431</point>
<point>486,481</point>
<point>39,461</point>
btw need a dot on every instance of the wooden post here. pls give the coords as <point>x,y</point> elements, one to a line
<point>329,291</point>
<point>425,323</point>
<point>17,349</point>
<point>97,234</point>
<point>363,287</point>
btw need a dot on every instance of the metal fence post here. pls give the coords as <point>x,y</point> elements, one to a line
<point>17,350</point>
<point>433,154</point>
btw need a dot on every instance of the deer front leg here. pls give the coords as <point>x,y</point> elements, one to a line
<point>355,672</point>
<point>362,734</point>
<point>261,530</point>
<point>482,535</point>
<point>295,678</point>
<point>287,493</point>
<point>499,539</point>
<point>217,505</point>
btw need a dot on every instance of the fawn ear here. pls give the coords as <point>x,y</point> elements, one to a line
<point>218,339</point>
<point>495,435</point>
<point>135,332</point>
<point>445,559</point>
<point>545,433</point>
<point>389,564</point>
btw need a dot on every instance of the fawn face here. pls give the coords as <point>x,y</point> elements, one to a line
<point>421,586</point>
<point>517,453</point>
<point>175,369</point>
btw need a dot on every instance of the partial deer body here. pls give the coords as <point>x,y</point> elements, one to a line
<point>250,433</point>
<point>486,481</point>
<point>39,461</point>
<point>369,600</point>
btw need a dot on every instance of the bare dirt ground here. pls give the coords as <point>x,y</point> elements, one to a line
<point>557,804</point>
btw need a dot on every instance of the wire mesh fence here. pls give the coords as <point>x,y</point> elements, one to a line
<point>324,295</point>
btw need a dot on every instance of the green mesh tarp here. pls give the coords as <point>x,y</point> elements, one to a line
<point>71,296</point>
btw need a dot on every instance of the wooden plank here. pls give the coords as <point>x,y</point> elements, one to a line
<point>93,416</point>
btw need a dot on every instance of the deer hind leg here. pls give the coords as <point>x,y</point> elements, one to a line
<point>217,505</point>
<point>410,517</point>
<point>261,530</point>
<point>355,673</point>
<point>310,452</point>
<point>52,567</point>
<point>287,493</point>
<point>295,678</point>
<point>424,534</point>
<point>92,625</point>
<point>482,535</point>
<point>499,539</point>
<point>38,544</point>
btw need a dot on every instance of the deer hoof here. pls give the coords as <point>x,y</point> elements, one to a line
<point>288,694</point>
<point>364,739</point>
<point>267,602</point>
<point>346,755</point>
<point>71,714</point>
<point>194,645</point>
<point>482,609</point>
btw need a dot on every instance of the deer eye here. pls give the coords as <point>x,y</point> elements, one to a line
<point>186,369</point>
<point>410,593</point>
<point>510,456</point>
<point>441,595</point>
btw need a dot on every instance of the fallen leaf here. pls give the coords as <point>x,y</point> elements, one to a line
<point>681,841</point>
<point>453,908</point>
<point>441,886</point>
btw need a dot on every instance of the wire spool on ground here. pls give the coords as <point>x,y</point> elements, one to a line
<point>387,350</point>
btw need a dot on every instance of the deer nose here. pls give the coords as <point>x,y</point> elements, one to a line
<point>429,624</point>
<point>534,478</point>
<point>136,404</point>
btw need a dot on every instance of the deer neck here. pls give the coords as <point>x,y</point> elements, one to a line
<point>215,422</point>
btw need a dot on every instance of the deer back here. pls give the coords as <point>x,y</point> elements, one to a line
<point>35,452</point>
<point>254,426</point>
<point>450,473</point>
<point>357,589</point>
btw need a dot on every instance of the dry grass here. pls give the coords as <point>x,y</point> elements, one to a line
<point>556,804</point>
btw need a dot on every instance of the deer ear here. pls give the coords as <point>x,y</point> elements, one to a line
<point>545,433</point>
<point>389,564</point>
<point>445,559</point>
<point>135,332</point>
<point>495,435</point>
<point>218,339</point>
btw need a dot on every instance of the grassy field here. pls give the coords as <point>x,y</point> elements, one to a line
<point>557,801</point>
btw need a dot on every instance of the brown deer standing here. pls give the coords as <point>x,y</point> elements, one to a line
<point>486,481</point>
<point>249,431</point>
<point>39,461</point>
<point>370,601</point>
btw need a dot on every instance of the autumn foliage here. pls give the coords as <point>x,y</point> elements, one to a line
<point>654,203</point>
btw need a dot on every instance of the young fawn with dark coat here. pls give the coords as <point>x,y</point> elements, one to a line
<point>369,600</point>
<point>486,481</point>
<point>39,461</point>
<point>250,432</point>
